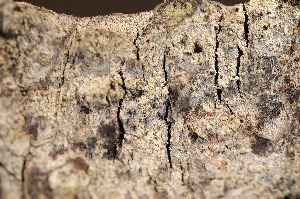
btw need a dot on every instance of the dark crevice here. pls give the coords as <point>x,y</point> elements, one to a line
<point>218,30</point>
<point>164,68</point>
<point>107,99</point>
<point>182,173</point>
<point>219,90</point>
<point>169,125</point>
<point>154,183</point>
<point>216,62</point>
<point>119,120</point>
<point>238,82</point>
<point>230,110</point>
<point>219,93</point>
<point>166,116</point>
<point>137,48</point>
<point>23,176</point>
<point>246,27</point>
<point>63,72</point>
<point>123,82</point>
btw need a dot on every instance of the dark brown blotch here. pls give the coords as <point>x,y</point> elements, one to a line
<point>108,133</point>
<point>79,163</point>
<point>261,146</point>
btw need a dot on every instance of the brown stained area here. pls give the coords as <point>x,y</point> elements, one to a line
<point>297,29</point>
<point>161,195</point>
<point>79,163</point>
<point>290,90</point>
<point>33,131</point>
<point>37,184</point>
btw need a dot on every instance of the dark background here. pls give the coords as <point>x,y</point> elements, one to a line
<point>88,8</point>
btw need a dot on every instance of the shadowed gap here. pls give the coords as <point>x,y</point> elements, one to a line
<point>89,8</point>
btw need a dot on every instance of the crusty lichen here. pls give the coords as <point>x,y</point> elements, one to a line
<point>175,11</point>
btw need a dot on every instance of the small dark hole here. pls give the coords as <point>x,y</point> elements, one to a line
<point>194,136</point>
<point>198,48</point>
<point>85,110</point>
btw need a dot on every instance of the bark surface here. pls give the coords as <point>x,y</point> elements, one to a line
<point>190,100</point>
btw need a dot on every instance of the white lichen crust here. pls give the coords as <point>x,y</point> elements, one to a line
<point>191,100</point>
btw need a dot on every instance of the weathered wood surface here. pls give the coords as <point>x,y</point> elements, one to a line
<point>191,100</point>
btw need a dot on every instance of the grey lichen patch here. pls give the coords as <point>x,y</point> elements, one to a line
<point>269,108</point>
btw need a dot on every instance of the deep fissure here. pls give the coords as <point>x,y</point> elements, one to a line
<point>216,52</point>
<point>119,120</point>
<point>23,175</point>
<point>65,65</point>
<point>68,57</point>
<point>240,54</point>
<point>136,46</point>
<point>166,116</point>
<point>164,68</point>
<point>169,125</point>
<point>246,28</point>
<point>219,91</point>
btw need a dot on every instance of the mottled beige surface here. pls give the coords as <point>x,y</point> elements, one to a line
<point>191,100</point>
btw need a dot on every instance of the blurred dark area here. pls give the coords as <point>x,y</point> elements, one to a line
<point>89,8</point>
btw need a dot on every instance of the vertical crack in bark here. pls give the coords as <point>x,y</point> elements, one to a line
<point>166,116</point>
<point>164,68</point>
<point>169,125</point>
<point>246,27</point>
<point>137,48</point>
<point>120,122</point>
<point>64,69</point>
<point>238,82</point>
<point>23,176</point>
<point>219,91</point>
<point>182,173</point>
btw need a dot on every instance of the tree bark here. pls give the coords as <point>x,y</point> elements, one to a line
<point>190,100</point>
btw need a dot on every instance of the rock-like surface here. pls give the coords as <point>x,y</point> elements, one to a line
<point>191,100</point>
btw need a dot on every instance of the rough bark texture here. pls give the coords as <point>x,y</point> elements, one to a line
<point>191,100</point>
